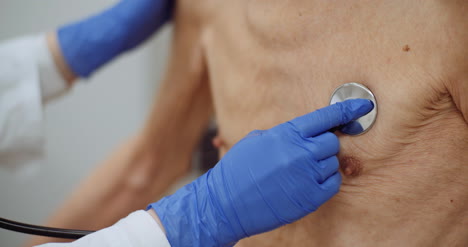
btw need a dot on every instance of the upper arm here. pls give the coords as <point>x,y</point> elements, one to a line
<point>456,69</point>
<point>459,92</point>
<point>182,106</point>
<point>458,87</point>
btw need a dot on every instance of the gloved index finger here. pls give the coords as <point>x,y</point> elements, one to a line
<point>321,120</point>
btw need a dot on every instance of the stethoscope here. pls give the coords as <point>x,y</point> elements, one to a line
<point>42,230</point>
<point>351,90</point>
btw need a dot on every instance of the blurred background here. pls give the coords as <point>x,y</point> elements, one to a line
<point>83,127</point>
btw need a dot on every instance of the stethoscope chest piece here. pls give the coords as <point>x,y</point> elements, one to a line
<point>354,90</point>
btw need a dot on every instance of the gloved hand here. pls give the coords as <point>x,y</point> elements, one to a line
<point>88,44</point>
<point>268,179</point>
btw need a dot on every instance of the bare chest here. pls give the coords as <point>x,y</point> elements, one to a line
<point>271,62</point>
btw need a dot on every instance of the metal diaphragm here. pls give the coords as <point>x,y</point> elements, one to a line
<point>354,90</point>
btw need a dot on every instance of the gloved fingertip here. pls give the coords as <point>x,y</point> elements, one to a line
<point>358,108</point>
<point>369,106</point>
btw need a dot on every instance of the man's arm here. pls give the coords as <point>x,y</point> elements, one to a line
<point>459,92</point>
<point>143,168</point>
<point>458,87</point>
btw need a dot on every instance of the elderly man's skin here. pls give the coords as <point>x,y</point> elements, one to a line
<point>405,180</point>
<point>268,61</point>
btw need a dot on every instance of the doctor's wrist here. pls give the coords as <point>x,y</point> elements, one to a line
<point>156,218</point>
<point>59,60</point>
<point>192,216</point>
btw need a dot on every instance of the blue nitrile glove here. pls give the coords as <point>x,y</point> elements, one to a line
<point>88,44</point>
<point>268,179</point>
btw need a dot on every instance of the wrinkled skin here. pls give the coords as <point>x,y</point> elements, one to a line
<point>268,61</point>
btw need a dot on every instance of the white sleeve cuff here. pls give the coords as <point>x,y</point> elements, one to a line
<point>21,136</point>
<point>51,81</point>
<point>139,229</point>
<point>28,78</point>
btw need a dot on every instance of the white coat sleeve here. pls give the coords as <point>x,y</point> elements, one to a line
<point>28,77</point>
<point>139,229</point>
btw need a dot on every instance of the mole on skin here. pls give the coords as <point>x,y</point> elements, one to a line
<point>350,166</point>
<point>406,48</point>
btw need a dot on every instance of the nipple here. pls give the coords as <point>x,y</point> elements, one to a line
<point>350,166</point>
<point>217,142</point>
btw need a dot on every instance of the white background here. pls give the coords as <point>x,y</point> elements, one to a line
<point>84,126</point>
